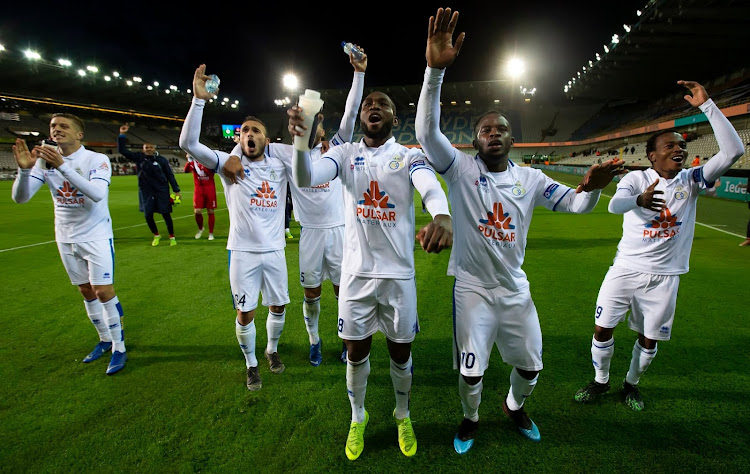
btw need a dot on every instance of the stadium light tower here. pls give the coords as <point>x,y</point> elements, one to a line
<point>515,68</point>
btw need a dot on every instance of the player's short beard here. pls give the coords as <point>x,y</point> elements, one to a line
<point>384,131</point>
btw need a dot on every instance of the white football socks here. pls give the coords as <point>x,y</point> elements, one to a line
<point>520,389</point>
<point>471,397</point>
<point>246,338</point>
<point>601,356</point>
<point>311,312</point>
<point>401,376</point>
<point>639,363</point>
<point>95,310</point>
<point>356,386</point>
<point>113,319</point>
<point>274,326</point>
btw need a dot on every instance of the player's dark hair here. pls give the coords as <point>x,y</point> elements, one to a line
<point>491,112</point>
<point>651,143</point>
<point>252,118</point>
<point>79,123</point>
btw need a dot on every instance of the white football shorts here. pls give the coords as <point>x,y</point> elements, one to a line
<point>368,305</point>
<point>651,299</point>
<point>253,272</point>
<point>320,255</point>
<point>483,317</point>
<point>89,262</point>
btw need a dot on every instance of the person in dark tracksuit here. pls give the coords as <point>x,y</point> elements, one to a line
<point>154,178</point>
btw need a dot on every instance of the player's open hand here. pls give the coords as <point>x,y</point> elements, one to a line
<point>199,83</point>
<point>233,169</point>
<point>50,155</point>
<point>22,155</point>
<point>360,65</point>
<point>699,94</point>
<point>650,200</point>
<point>441,52</point>
<point>437,235</point>
<point>600,175</point>
<point>124,129</point>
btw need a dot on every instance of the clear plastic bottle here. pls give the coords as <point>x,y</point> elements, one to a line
<point>212,84</point>
<point>350,48</point>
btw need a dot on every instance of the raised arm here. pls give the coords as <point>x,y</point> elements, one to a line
<point>730,143</point>
<point>191,129</point>
<point>122,145</point>
<point>26,184</point>
<point>440,54</point>
<point>354,99</point>
<point>305,172</point>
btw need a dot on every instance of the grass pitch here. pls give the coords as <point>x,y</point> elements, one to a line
<point>181,405</point>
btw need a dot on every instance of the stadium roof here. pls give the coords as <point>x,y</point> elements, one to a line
<point>673,39</point>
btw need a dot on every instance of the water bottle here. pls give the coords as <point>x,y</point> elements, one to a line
<point>212,84</point>
<point>350,48</point>
<point>311,104</point>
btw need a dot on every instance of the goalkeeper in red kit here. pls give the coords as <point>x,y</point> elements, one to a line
<point>204,196</point>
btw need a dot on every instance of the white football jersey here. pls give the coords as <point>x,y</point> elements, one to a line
<point>256,204</point>
<point>660,243</point>
<point>491,218</point>
<point>378,206</point>
<point>322,206</point>
<point>78,218</point>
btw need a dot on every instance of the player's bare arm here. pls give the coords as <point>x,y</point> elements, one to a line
<point>650,200</point>
<point>599,176</point>
<point>441,52</point>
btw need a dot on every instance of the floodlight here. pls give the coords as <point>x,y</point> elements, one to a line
<point>2,48</point>
<point>33,55</point>
<point>627,28</point>
<point>166,91</point>
<point>290,81</point>
<point>129,82</point>
<point>638,12</point>
<point>453,102</point>
<point>64,62</point>
<point>137,79</point>
<point>150,87</point>
<point>234,106</point>
<point>515,67</point>
<point>93,69</point>
<point>156,83</point>
<point>615,39</point>
<point>606,49</point>
<point>236,101</point>
<point>598,58</point>
<point>467,102</point>
<point>107,78</point>
<point>189,91</point>
<point>81,72</point>
<point>591,63</point>
<point>116,74</point>
<point>174,88</point>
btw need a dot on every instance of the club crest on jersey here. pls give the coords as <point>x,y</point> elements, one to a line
<point>497,228</point>
<point>518,189</point>
<point>375,208</point>
<point>273,175</point>
<point>665,226</point>
<point>396,163</point>
<point>69,196</point>
<point>358,164</point>
<point>680,193</point>
<point>481,183</point>
<point>265,197</point>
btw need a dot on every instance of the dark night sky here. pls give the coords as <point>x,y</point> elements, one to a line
<point>250,47</point>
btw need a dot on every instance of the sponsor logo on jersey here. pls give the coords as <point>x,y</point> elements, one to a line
<point>375,205</point>
<point>104,166</point>
<point>518,189</point>
<point>358,164</point>
<point>665,226</point>
<point>497,228</point>
<point>680,193</point>
<point>265,196</point>
<point>664,330</point>
<point>69,196</point>
<point>551,190</point>
<point>106,275</point>
<point>481,183</point>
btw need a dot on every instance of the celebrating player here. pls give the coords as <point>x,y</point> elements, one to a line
<point>256,238</point>
<point>492,201</point>
<point>204,196</point>
<point>658,224</point>
<point>320,211</point>
<point>154,178</point>
<point>78,180</point>
<point>378,291</point>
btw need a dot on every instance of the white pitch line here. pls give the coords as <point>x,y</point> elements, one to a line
<point>119,228</point>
